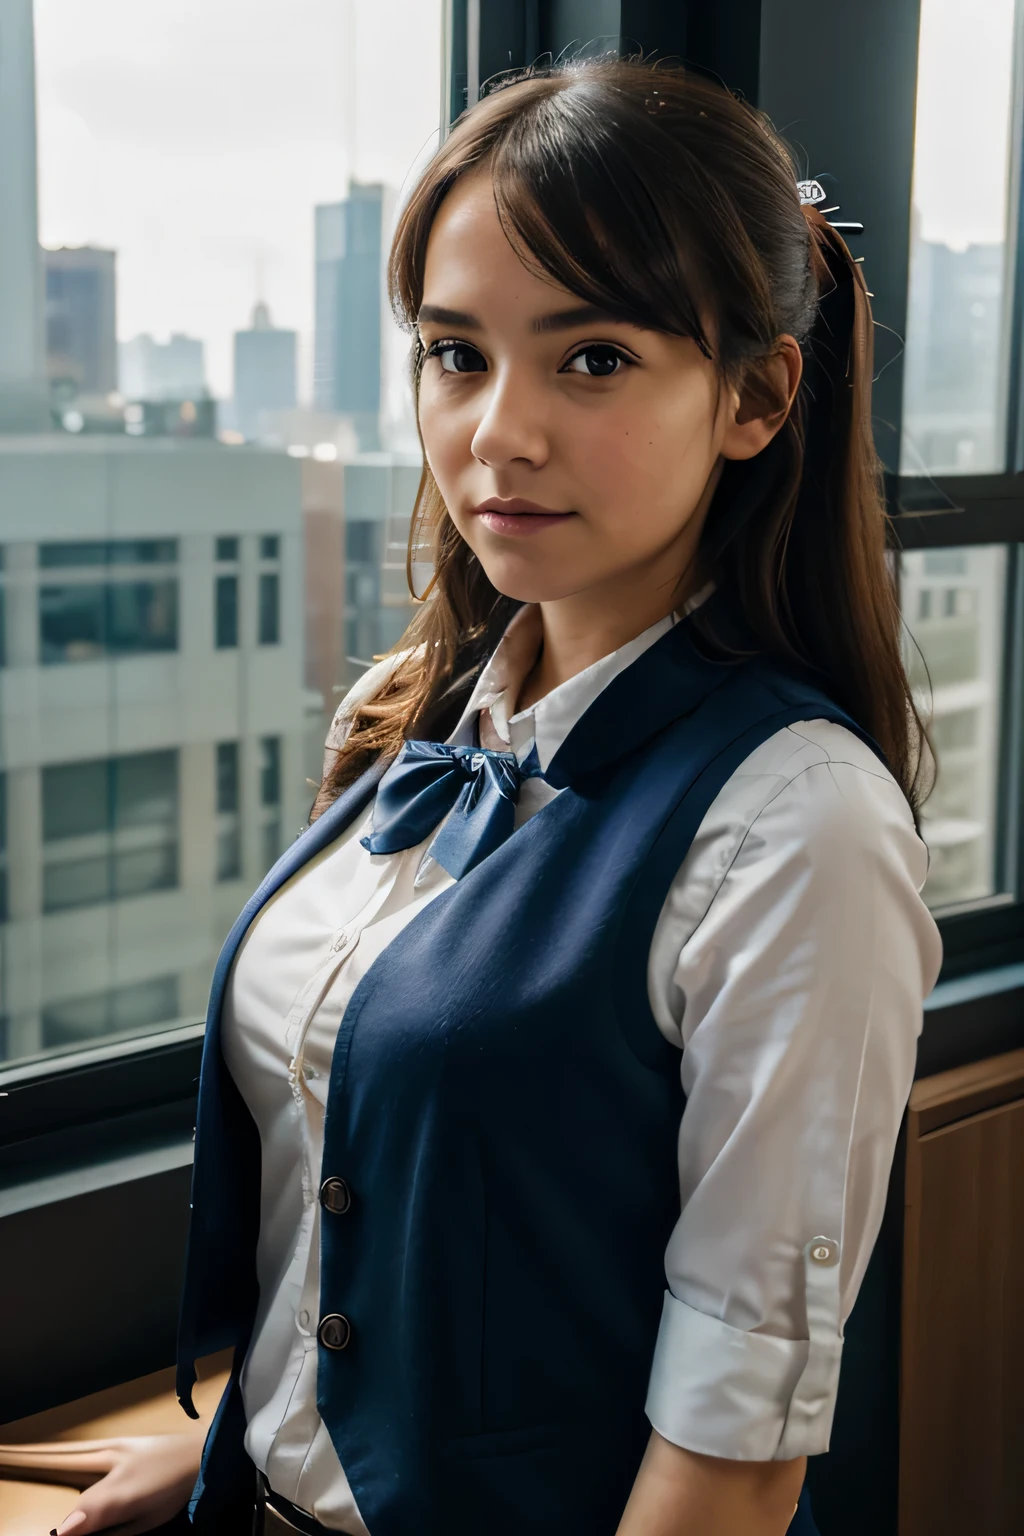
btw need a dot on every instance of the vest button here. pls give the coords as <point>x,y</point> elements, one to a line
<point>335,1196</point>
<point>334,1331</point>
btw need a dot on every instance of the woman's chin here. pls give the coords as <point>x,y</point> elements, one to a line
<point>530,586</point>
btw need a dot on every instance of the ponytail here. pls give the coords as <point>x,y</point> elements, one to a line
<point>800,532</point>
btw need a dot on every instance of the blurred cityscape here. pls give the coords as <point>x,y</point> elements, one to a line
<point>954,600</point>
<point>186,584</point>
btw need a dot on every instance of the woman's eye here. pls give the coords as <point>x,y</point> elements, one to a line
<point>597,362</point>
<point>457,357</point>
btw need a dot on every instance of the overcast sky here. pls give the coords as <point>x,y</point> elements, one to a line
<point>195,136</point>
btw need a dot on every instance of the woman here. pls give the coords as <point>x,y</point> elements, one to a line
<point>623,828</point>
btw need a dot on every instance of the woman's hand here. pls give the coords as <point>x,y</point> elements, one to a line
<point>680,1493</point>
<point>134,1483</point>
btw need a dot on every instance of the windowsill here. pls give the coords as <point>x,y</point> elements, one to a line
<point>967,1018</point>
<point>70,1183</point>
<point>975,985</point>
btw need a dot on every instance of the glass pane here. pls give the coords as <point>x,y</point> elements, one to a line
<point>961,252</point>
<point>76,800</point>
<point>146,790</point>
<point>226,612</point>
<point>77,883</point>
<point>227,776</point>
<point>229,854</point>
<point>215,411</point>
<point>270,771</point>
<point>954,608</point>
<point>134,1009</point>
<point>270,608</point>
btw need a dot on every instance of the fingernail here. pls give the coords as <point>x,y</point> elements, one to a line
<point>73,1521</point>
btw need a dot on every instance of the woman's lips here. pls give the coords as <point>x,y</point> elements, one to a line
<point>518,519</point>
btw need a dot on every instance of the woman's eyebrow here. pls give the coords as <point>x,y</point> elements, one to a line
<point>436,314</point>
<point>560,320</point>
<point>582,314</point>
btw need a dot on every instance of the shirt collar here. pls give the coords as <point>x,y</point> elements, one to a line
<point>547,723</point>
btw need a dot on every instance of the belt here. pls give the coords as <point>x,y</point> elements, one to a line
<point>276,1516</point>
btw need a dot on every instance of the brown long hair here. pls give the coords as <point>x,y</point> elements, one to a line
<point>656,194</point>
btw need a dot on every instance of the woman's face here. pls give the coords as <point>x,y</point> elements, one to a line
<point>572,450</point>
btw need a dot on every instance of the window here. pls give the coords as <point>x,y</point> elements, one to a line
<point>270,770</point>
<point>88,621</point>
<point>961,445</point>
<point>122,460</point>
<point>270,798</point>
<point>269,608</point>
<point>229,829</point>
<point>957,373</point>
<point>3,852</point>
<point>225,612</point>
<point>109,829</point>
<point>227,776</point>
<point>954,601</point>
<point>133,1009</point>
<point>109,552</point>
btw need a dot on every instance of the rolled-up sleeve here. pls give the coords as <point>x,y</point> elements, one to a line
<point>790,964</point>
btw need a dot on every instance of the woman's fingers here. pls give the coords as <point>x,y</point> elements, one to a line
<point>77,1463</point>
<point>74,1522</point>
<point>148,1482</point>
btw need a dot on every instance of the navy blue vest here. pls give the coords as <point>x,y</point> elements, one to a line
<point>504,1112</point>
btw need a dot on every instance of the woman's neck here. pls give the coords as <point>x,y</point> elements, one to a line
<point>577,631</point>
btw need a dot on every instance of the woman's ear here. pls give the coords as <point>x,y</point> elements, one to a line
<point>759,406</point>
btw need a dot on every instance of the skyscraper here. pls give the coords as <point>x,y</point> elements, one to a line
<point>162,370</point>
<point>264,372</point>
<point>81,318</point>
<point>350,307</point>
<point>23,397</point>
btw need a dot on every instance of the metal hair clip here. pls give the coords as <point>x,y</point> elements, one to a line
<point>813,192</point>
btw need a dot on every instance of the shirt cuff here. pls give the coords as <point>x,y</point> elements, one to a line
<point>722,1392</point>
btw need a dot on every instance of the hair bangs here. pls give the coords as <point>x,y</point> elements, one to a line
<point>578,209</point>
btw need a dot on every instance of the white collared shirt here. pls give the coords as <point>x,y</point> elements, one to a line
<point>789,965</point>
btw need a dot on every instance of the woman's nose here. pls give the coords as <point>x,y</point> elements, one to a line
<point>512,426</point>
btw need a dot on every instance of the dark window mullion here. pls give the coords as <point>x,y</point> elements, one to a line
<point>1010,851</point>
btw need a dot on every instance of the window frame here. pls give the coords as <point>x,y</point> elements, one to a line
<point>858,88</point>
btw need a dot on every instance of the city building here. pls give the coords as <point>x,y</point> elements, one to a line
<point>24,402</point>
<point>379,495</point>
<point>153,732</point>
<point>162,370</point>
<point>81,320</point>
<point>955,370</point>
<point>265,373</point>
<point>357,600</point>
<point>351,307</point>
<point>953,602</point>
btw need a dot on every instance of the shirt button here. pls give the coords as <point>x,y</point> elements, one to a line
<point>334,1331</point>
<point>823,1250</point>
<point>335,1196</point>
<point>304,1318</point>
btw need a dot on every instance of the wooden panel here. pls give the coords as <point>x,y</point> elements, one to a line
<point>949,1096</point>
<point>962,1409</point>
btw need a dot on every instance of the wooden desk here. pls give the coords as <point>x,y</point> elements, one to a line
<point>147,1406</point>
<point>962,1379</point>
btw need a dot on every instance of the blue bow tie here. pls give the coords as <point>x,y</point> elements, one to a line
<point>428,780</point>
